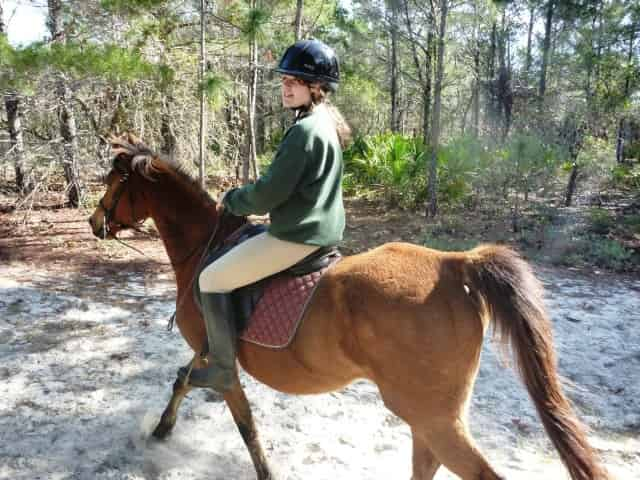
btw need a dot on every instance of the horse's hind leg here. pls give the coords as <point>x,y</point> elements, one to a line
<point>241,412</point>
<point>425,464</point>
<point>451,443</point>
<point>440,435</point>
<point>168,419</point>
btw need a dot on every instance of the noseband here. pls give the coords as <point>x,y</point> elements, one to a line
<point>109,213</point>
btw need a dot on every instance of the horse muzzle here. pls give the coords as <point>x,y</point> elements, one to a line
<point>98,227</point>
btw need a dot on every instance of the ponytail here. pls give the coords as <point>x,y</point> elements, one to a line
<point>342,127</point>
<point>319,97</point>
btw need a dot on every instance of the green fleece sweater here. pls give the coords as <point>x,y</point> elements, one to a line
<point>302,189</point>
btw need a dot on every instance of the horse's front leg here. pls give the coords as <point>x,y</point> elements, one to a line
<point>239,406</point>
<point>170,414</point>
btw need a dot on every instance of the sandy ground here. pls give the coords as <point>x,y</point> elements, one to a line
<point>86,367</point>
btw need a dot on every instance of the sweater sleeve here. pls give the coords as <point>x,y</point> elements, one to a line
<point>277,184</point>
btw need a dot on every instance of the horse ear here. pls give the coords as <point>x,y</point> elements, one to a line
<point>119,145</point>
<point>111,139</point>
<point>132,139</point>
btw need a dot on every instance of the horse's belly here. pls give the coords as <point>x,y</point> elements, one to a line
<point>282,370</point>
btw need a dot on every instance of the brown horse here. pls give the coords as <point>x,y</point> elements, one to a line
<point>408,318</point>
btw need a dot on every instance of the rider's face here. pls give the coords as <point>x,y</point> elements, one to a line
<point>295,93</point>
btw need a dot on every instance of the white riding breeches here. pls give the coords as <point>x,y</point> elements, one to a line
<point>252,260</point>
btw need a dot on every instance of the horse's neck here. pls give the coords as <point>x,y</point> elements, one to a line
<point>184,219</point>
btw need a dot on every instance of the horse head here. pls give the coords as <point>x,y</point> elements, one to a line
<point>123,206</point>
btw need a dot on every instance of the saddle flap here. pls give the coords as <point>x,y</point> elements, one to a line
<point>282,306</point>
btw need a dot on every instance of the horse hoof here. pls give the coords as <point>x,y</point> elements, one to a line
<point>265,474</point>
<point>162,431</point>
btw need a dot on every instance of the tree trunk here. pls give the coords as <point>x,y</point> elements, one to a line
<point>298,20</point>
<point>66,115</point>
<point>571,186</point>
<point>589,64</point>
<point>395,96</point>
<point>490,108</point>
<point>515,218</point>
<point>169,141</point>
<point>627,81</point>
<point>424,71</point>
<point>620,141</point>
<point>432,208</point>
<point>573,132</point>
<point>502,42</point>
<point>546,46</point>
<point>465,114</point>
<point>68,132</point>
<point>503,86</point>
<point>251,160</point>
<point>593,65</point>
<point>203,110</point>
<point>600,41</point>
<point>475,112</point>
<point>426,92</point>
<point>493,47</point>
<point>54,22</point>
<point>14,127</point>
<point>263,111</point>
<point>528,57</point>
<point>24,183</point>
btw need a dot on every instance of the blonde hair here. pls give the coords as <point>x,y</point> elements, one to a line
<point>320,96</point>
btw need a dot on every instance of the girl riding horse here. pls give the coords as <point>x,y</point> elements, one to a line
<point>302,193</point>
<point>410,319</point>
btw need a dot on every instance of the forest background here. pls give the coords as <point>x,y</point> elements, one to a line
<point>512,121</point>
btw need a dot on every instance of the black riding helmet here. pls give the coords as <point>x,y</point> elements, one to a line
<point>313,61</point>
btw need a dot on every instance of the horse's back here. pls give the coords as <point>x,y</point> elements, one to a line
<point>399,270</point>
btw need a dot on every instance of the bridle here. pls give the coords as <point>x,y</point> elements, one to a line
<point>109,213</point>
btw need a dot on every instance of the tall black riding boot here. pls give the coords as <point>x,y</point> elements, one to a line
<point>219,319</point>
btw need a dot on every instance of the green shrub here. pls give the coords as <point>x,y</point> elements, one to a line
<point>602,252</point>
<point>447,244</point>
<point>458,164</point>
<point>600,221</point>
<point>467,167</point>
<point>610,254</point>
<point>349,184</point>
<point>597,157</point>
<point>632,222</point>
<point>389,163</point>
<point>527,163</point>
<point>626,176</point>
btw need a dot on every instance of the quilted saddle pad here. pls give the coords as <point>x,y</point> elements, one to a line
<point>280,310</point>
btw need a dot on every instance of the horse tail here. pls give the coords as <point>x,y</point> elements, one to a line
<point>507,290</point>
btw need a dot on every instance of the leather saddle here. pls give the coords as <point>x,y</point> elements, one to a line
<point>247,298</point>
